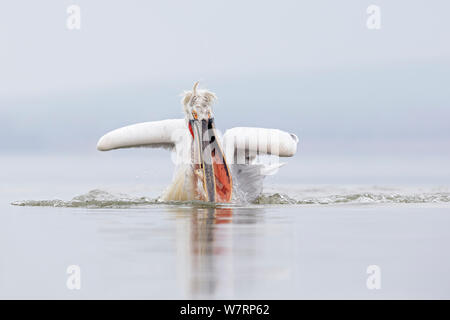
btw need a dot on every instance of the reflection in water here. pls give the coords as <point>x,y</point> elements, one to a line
<point>205,250</point>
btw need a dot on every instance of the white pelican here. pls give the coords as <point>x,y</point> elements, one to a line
<point>202,171</point>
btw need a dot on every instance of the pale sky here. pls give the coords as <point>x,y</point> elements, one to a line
<point>312,67</point>
<point>123,42</point>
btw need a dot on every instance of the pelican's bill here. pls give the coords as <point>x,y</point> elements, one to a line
<point>217,182</point>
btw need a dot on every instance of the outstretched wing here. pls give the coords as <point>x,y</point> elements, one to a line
<point>250,142</point>
<point>243,145</point>
<point>154,134</point>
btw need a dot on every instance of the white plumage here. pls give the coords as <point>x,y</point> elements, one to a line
<point>241,146</point>
<point>147,134</point>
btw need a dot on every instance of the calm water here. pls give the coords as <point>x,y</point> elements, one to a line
<point>141,249</point>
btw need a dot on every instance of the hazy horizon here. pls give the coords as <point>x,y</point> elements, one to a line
<point>311,68</point>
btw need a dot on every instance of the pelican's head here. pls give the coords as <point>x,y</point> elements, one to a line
<point>197,104</point>
<point>207,157</point>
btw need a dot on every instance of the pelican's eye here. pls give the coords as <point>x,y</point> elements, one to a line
<point>194,114</point>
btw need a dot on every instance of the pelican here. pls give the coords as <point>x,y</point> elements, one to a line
<point>202,171</point>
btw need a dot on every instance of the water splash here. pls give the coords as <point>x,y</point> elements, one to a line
<point>328,196</point>
<point>93,199</point>
<point>276,198</point>
<point>355,198</point>
<point>103,199</point>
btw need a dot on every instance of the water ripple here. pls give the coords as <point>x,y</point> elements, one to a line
<point>103,199</point>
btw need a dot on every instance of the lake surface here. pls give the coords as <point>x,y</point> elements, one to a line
<point>305,239</point>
